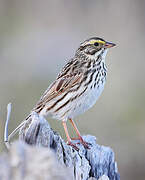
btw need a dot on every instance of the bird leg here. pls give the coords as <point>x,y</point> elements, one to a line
<point>68,137</point>
<point>85,144</point>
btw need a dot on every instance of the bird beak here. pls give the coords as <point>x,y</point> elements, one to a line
<point>109,45</point>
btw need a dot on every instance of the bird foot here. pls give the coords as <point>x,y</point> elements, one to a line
<point>84,143</point>
<point>73,145</point>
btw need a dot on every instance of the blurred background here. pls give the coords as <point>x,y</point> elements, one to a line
<point>38,37</point>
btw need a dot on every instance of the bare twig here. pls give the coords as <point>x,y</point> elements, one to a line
<point>7,137</point>
<point>9,107</point>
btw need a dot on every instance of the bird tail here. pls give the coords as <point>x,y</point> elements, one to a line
<point>16,130</point>
<point>37,109</point>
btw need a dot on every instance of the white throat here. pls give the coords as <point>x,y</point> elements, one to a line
<point>103,55</point>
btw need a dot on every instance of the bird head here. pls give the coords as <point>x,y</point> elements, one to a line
<point>95,46</point>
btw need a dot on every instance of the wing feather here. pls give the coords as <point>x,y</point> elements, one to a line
<point>57,88</point>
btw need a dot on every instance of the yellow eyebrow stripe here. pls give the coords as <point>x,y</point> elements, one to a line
<point>98,41</point>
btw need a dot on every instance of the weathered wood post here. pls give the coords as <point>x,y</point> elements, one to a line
<point>42,154</point>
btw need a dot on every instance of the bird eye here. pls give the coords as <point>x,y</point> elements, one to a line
<point>96,44</point>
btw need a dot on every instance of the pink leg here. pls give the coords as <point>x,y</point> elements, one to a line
<point>85,144</point>
<point>68,137</point>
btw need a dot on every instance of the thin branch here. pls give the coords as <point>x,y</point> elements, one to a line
<point>9,107</point>
<point>7,137</point>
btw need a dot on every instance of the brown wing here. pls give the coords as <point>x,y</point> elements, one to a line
<point>57,88</point>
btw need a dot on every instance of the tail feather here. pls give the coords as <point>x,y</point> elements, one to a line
<point>38,108</point>
<point>15,131</point>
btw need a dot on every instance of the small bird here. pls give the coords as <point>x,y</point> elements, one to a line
<point>77,87</point>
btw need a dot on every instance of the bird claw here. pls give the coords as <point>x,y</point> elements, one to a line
<point>84,143</point>
<point>73,145</point>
